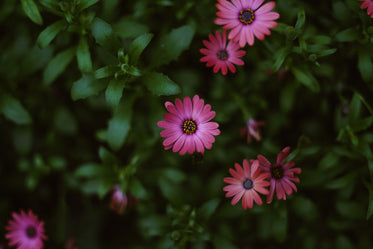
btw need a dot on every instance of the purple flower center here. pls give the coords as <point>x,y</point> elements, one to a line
<point>31,232</point>
<point>189,127</point>
<point>248,184</point>
<point>277,171</point>
<point>222,54</point>
<point>246,16</point>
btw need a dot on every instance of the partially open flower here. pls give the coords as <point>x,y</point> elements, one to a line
<point>119,200</point>
<point>252,130</point>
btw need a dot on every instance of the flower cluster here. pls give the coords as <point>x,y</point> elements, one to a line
<point>245,19</point>
<point>250,180</point>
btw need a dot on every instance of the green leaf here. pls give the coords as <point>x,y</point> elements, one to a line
<point>50,4</point>
<point>106,156</point>
<point>355,107</point>
<point>90,170</point>
<point>14,111</point>
<point>347,35</point>
<point>48,34</point>
<point>172,45</point>
<point>32,11</point>
<point>326,52</point>
<point>103,33</point>
<point>120,125</point>
<point>362,124</point>
<point>129,29</point>
<point>208,208</point>
<point>84,56</point>
<point>301,18</point>
<point>306,78</point>
<point>114,91</point>
<point>370,189</point>
<point>105,72</point>
<point>329,161</point>
<point>280,56</point>
<point>57,65</point>
<point>365,66</point>
<point>84,4</point>
<point>86,87</point>
<point>137,189</point>
<point>160,84</point>
<point>137,46</point>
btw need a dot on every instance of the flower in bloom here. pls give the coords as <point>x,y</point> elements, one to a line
<point>25,231</point>
<point>367,4</point>
<point>282,175</point>
<point>118,201</point>
<point>187,127</point>
<point>220,55</point>
<point>252,130</point>
<point>246,182</point>
<point>246,19</point>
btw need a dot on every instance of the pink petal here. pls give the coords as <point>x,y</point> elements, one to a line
<point>237,197</point>
<point>271,191</point>
<point>257,198</point>
<point>247,200</point>
<point>179,143</point>
<point>265,8</point>
<point>264,162</point>
<point>280,191</point>
<point>188,106</point>
<point>256,4</point>
<point>283,155</point>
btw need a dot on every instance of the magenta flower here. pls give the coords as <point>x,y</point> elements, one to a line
<point>25,231</point>
<point>282,175</point>
<point>186,126</point>
<point>118,201</point>
<point>252,130</point>
<point>246,19</point>
<point>246,183</point>
<point>369,5</point>
<point>220,55</point>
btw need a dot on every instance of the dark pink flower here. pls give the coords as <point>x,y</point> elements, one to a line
<point>220,55</point>
<point>252,130</point>
<point>119,200</point>
<point>25,231</point>
<point>186,126</point>
<point>246,19</point>
<point>282,176</point>
<point>246,183</point>
<point>367,4</point>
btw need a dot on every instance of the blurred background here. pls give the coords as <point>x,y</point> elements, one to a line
<point>83,85</point>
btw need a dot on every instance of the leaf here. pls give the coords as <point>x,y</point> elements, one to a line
<point>48,34</point>
<point>306,78</point>
<point>355,107</point>
<point>301,18</point>
<point>129,29</point>
<point>106,156</point>
<point>160,84</point>
<point>32,11</point>
<point>90,170</point>
<point>105,72</point>
<point>103,33</point>
<point>365,66</point>
<point>120,125</point>
<point>347,35</point>
<point>14,111</point>
<point>114,91</point>
<point>86,87</point>
<point>172,45</point>
<point>84,56</point>
<point>329,161</point>
<point>208,208</point>
<point>137,189</point>
<point>326,52</point>
<point>57,65</point>
<point>137,46</point>
<point>280,56</point>
<point>370,189</point>
<point>84,4</point>
<point>362,124</point>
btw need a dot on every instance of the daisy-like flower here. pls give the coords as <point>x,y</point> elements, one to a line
<point>118,201</point>
<point>246,182</point>
<point>367,4</point>
<point>25,231</point>
<point>282,175</point>
<point>187,127</point>
<point>246,19</point>
<point>252,130</point>
<point>220,55</point>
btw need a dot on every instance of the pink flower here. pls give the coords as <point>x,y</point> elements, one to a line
<point>282,175</point>
<point>246,19</point>
<point>246,183</point>
<point>252,130</point>
<point>369,5</point>
<point>25,231</point>
<point>220,55</point>
<point>119,200</point>
<point>186,126</point>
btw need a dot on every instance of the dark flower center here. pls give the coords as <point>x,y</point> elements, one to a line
<point>189,127</point>
<point>222,54</point>
<point>277,171</point>
<point>31,232</point>
<point>248,184</point>
<point>246,16</point>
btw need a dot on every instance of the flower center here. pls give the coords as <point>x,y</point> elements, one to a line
<point>248,184</point>
<point>277,172</point>
<point>222,54</point>
<point>31,232</point>
<point>189,127</point>
<point>246,16</point>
